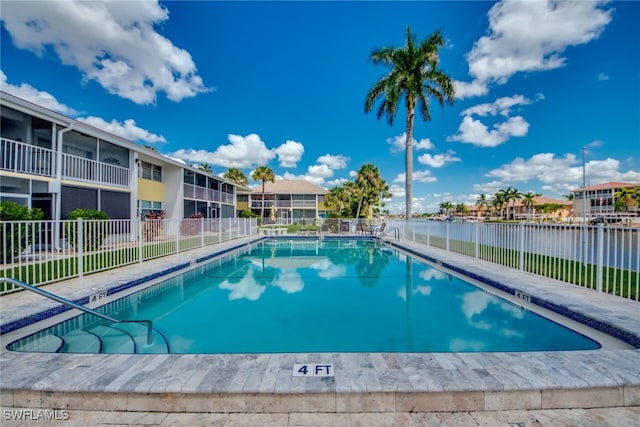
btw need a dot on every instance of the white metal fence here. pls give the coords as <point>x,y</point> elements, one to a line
<point>603,258</point>
<point>40,252</point>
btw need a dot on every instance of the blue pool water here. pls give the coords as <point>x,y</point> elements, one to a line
<point>335,296</point>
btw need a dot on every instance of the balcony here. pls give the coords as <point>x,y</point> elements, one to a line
<point>201,193</point>
<point>16,156</point>
<point>80,169</point>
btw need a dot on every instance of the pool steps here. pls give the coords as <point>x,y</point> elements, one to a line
<point>121,338</point>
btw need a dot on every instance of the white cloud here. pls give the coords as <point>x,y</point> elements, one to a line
<point>501,106</point>
<point>438,160</point>
<point>603,77</point>
<point>317,180</point>
<point>334,162</point>
<point>243,152</point>
<point>114,43</point>
<point>319,171</point>
<point>556,173</point>
<point>418,176</point>
<point>526,36</point>
<point>475,132</point>
<point>127,130</point>
<point>398,143</point>
<point>38,97</point>
<point>336,182</point>
<point>289,153</point>
<point>467,90</point>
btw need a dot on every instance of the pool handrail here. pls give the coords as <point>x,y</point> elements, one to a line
<point>389,230</point>
<point>72,304</point>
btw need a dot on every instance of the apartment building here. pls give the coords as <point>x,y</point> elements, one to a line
<point>59,164</point>
<point>286,200</point>
<point>600,200</point>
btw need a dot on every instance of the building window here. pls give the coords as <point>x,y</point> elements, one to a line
<point>150,171</point>
<point>146,206</point>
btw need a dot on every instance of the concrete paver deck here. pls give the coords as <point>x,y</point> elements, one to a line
<point>403,388</point>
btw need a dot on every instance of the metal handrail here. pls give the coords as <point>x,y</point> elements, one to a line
<point>395,230</point>
<point>72,304</point>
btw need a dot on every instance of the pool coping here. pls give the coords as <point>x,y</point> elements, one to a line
<point>375,382</point>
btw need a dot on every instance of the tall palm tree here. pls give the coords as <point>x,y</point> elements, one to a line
<point>236,175</point>
<point>337,199</point>
<point>446,207</point>
<point>511,194</point>
<point>372,187</point>
<point>414,77</point>
<point>482,203</point>
<point>498,201</point>
<point>529,200</point>
<point>462,209</point>
<point>263,173</point>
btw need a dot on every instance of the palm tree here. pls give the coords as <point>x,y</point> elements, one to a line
<point>462,209</point>
<point>414,77</point>
<point>372,187</point>
<point>445,207</point>
<point>482,203</point>
<point>512,194</point>
<point>236,175</point>
<point>624,199</point>
<point>337,199</point>
<point>529,200</point>
<point>263,173</point>
<point>568,196</point>
<point>498,201</point>
<point>205,167</point>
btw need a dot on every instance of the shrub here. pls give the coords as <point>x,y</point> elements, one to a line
<point>246,213</point>
<point>93,232</point>
<point>16,239</point>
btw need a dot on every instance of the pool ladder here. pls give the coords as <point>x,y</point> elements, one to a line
<point>394,230</point>
<point>72,304</point>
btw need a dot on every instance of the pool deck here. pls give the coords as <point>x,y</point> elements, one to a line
<point>363,383</point>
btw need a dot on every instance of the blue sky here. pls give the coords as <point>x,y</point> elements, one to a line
<point>283,84</point>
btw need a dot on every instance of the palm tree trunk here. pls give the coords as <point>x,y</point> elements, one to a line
<point>408,160</point>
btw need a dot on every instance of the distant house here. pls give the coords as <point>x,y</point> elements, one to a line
<point>287,200</point>
<point>59,164</point>
<point>600,200</point>
<point>543,207</point>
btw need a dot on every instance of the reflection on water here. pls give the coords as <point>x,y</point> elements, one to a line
<point>337,295</point>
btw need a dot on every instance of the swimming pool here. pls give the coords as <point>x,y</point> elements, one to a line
<point>318,295</point>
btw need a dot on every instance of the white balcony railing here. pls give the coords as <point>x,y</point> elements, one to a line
<point>16,156</point>
<point>202,193</point>
<point>87,170</point>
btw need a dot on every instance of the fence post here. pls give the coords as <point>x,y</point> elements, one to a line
<point>140,237</point>
<point>599,262</point>
<point>219,230</point>
<point>202,232</point>
<point>447,234</point>
<point>521,246</point>
<point>428,232</point>
<point>477,245</point>
<point>80,246</point>
<point>179,223</point>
